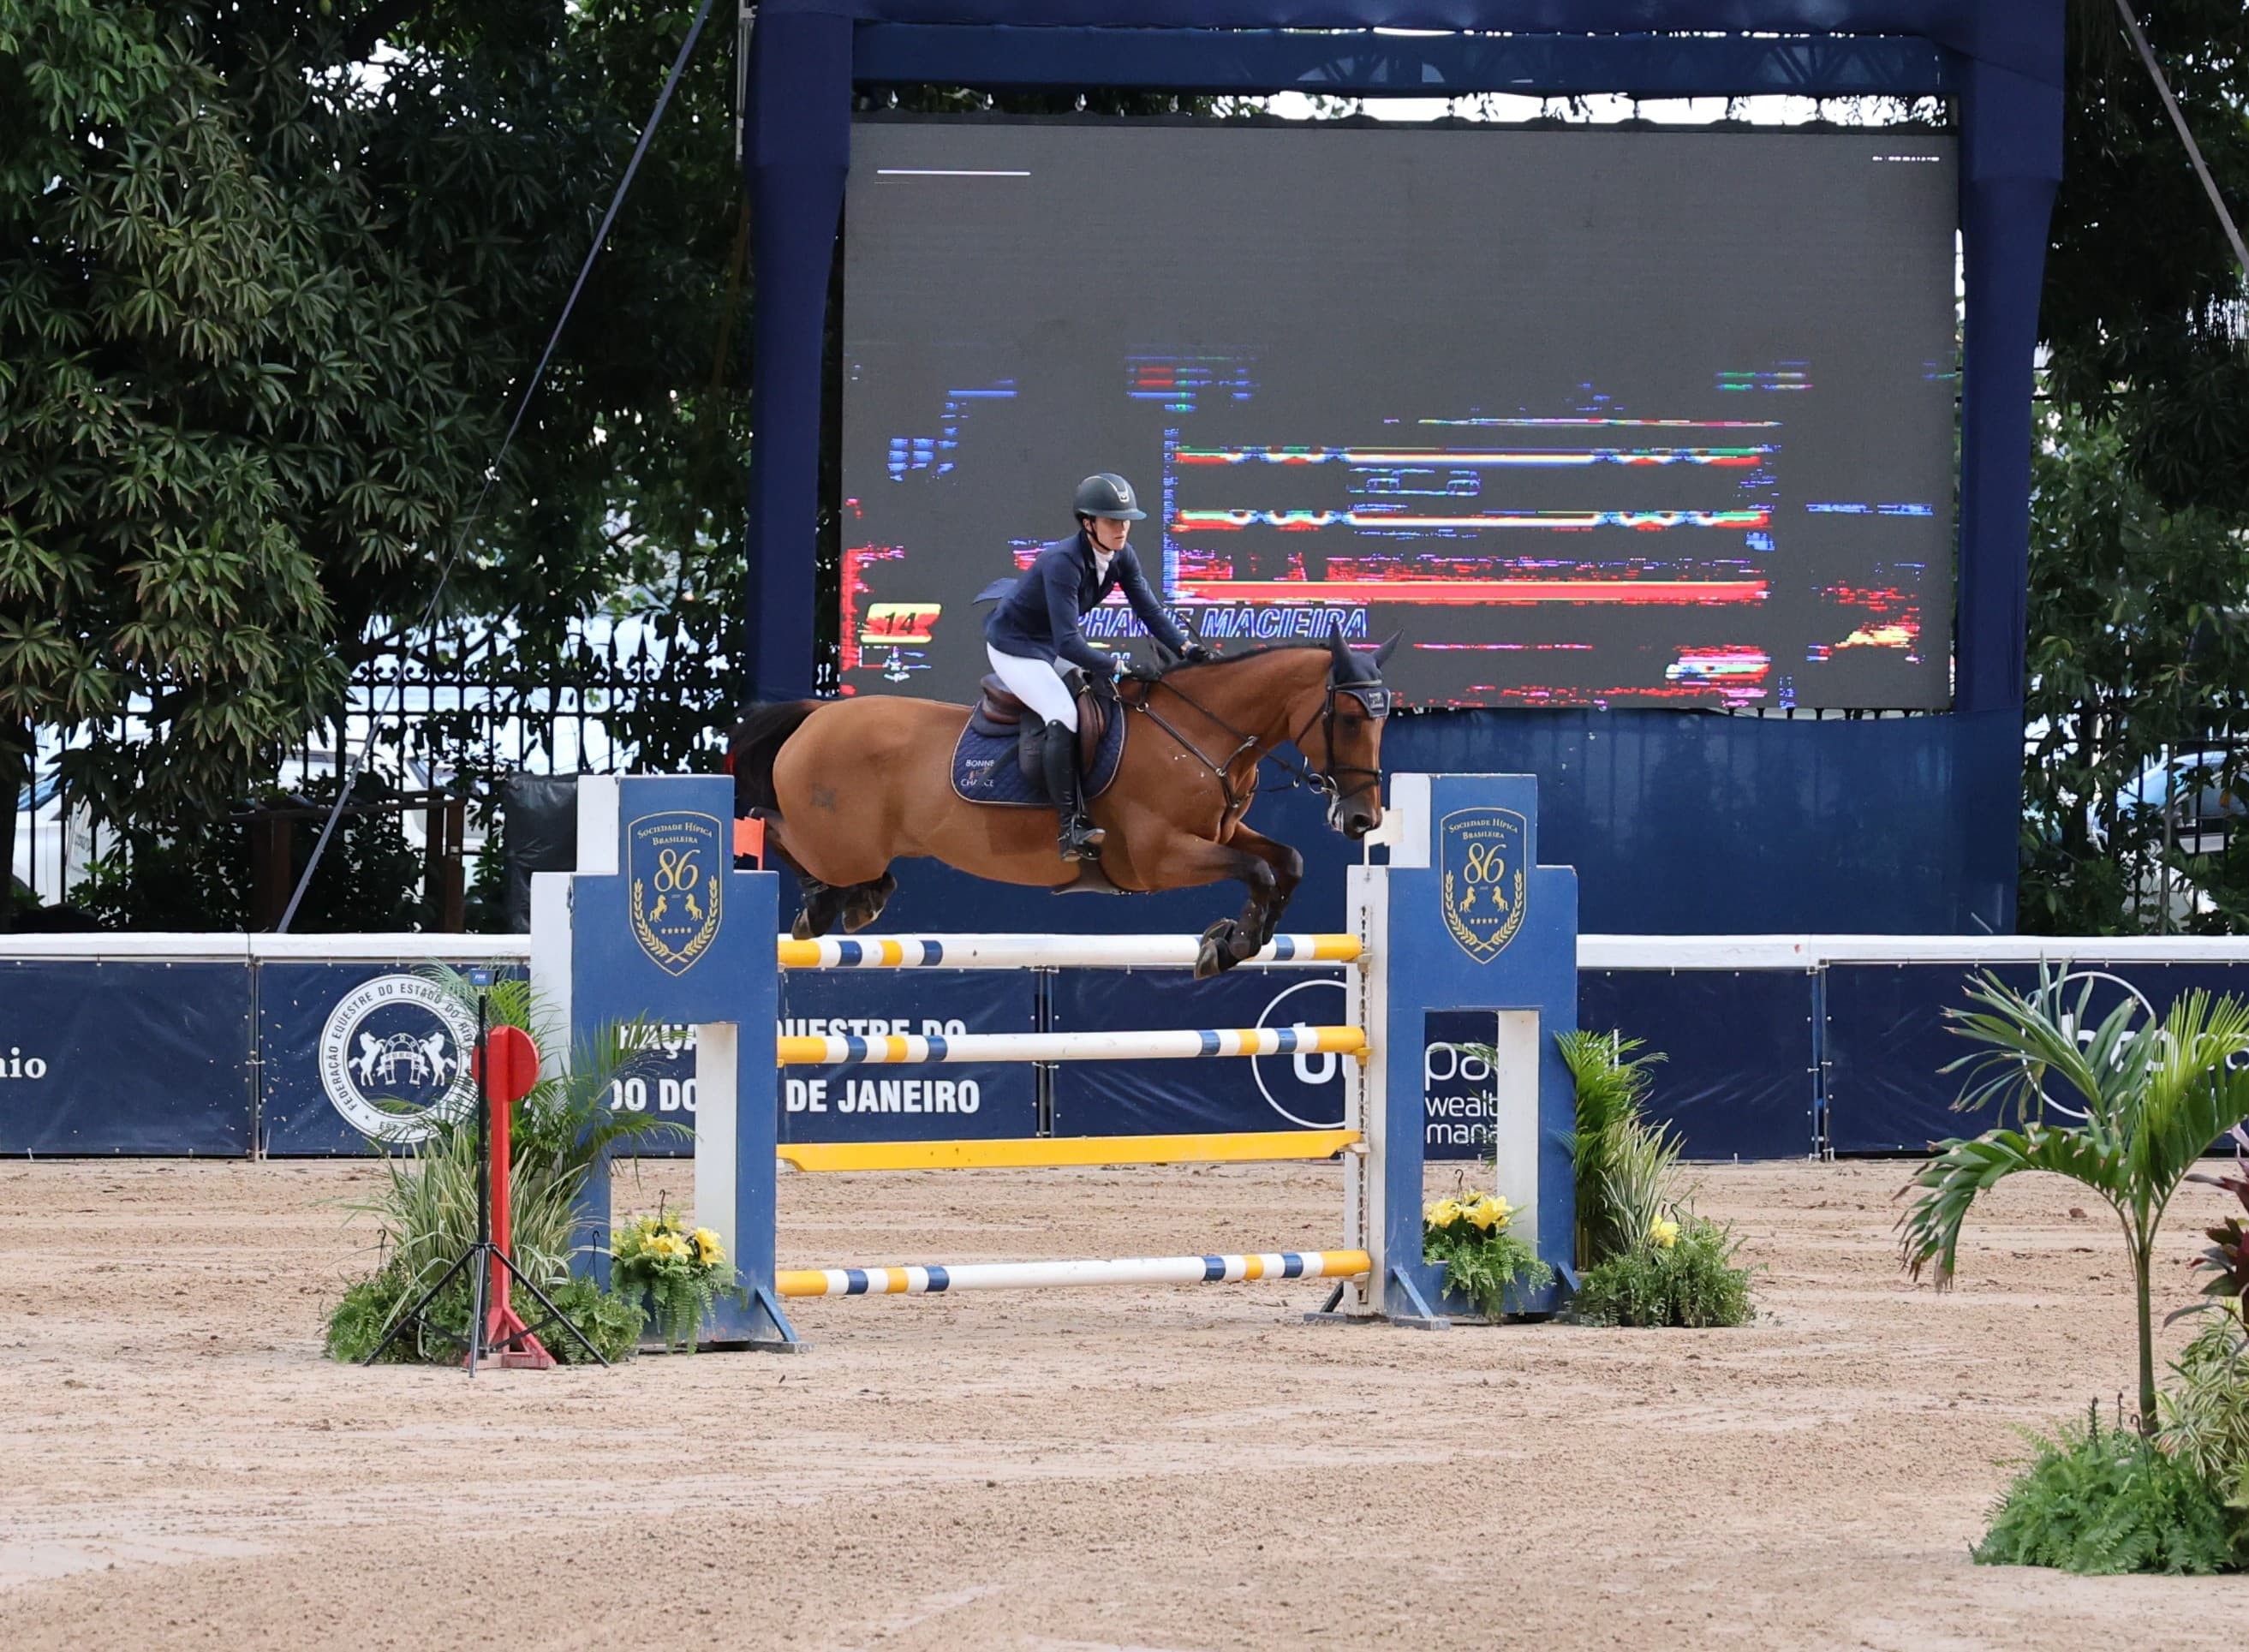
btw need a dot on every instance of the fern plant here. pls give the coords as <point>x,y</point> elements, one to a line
<point>612,1321</point>
<point>2106,1501</point>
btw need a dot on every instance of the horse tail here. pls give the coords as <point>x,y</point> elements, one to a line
<point>755,744</point>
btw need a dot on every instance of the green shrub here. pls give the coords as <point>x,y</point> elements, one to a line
<point>2105,1502</point>
<point>1691,1282</point>
<point>357,1322</point>
<point>612,1321</point>
<point>1622,1164</point>
<point>425,1207</point>
<point>2206,1411</point>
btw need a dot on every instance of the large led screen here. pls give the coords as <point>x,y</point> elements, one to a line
<point>1588,417</point>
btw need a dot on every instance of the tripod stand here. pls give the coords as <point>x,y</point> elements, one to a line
<point>506,1064</point>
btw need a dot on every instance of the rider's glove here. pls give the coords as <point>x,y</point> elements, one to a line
<point>1145,670</point>
<point>1196,654</point>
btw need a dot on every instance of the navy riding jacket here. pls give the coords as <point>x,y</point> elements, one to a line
<point>1039,617</point>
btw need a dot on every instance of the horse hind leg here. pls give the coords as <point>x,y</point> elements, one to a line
<point>821,903</point>
<point>863,903</point>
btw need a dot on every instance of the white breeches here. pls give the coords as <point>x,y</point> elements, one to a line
<point>1038,684</point>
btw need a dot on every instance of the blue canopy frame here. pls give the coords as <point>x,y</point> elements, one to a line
<point>2001,59</point>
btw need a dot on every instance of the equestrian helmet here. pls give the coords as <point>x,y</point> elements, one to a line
<point>1108,494</point>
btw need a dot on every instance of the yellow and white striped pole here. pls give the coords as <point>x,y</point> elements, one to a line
<point>1184,1044</point>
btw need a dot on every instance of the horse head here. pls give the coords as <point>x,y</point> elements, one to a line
<point>1351,735</point>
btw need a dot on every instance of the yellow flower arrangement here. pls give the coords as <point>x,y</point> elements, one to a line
<point>1485,1261</point>
<point>1490,1212</point>
<point>1665,1233</point>
<point>681,1271</point>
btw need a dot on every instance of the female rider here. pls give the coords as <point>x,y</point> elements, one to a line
<point>1037,626</point>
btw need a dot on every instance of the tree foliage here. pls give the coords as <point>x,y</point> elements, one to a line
<point>267,276</point>
<point>2141,490</point>
<point>2136,658</point>
<point>2143,312</point>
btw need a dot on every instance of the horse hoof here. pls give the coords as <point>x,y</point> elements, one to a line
<point>801,929</point>
<point>1220,949</point>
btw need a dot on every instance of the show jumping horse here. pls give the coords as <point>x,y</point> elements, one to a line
<point>849,786</point>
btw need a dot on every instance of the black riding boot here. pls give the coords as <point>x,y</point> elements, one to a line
<point>1081,838</point>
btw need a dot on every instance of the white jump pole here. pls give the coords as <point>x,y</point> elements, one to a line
<point>1128,1271</point>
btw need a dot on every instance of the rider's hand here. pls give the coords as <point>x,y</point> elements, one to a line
<point>1196,654</point>
<point>1145,671</point>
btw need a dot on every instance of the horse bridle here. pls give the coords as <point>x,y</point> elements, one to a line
<point>1373,698</point>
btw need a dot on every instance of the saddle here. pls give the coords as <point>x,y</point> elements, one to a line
<point>998,714</point>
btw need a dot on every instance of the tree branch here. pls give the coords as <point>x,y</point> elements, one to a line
<point>368,30</point>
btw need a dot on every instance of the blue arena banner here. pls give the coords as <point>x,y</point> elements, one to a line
<point>127,1058</point>
<point>1738,1078</point>
<point>658,1083</point>
<point>1888,1042</point>
<point>941,1102</point>
<point>360,1052</point>
<point>1458,1099</point>
<point>1157,1098</point>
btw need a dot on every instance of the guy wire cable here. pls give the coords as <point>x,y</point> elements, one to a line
<point>2193,149</point>
<point>350,777</point>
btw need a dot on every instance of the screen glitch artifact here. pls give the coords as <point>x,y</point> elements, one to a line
<point>1590,417</point>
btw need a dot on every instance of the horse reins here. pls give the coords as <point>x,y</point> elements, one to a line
<point>1327,781</point>
<point>1222,772</point>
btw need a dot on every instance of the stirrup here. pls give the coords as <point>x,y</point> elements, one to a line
<point>1082,840</point>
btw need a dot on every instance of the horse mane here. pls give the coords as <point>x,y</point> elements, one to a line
<point>1258,653</point>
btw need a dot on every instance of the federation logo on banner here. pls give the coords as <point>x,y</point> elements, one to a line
<point>395,1058</point>
<point>1486,883</point>
<point>676,865</point>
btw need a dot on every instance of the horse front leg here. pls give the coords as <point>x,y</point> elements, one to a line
<point>1181,862</point>
<point>1288,868</point>
<point>823,905</point>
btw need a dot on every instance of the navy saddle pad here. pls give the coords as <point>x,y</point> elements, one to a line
<point>987,769</point>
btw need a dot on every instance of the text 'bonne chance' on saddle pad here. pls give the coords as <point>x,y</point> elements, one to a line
<point>986,767</point>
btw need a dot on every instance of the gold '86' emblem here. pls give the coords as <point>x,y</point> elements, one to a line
<point>1485,877</point>
<point>676,869</point>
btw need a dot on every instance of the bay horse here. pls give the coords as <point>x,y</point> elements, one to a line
<point>849,786</point>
